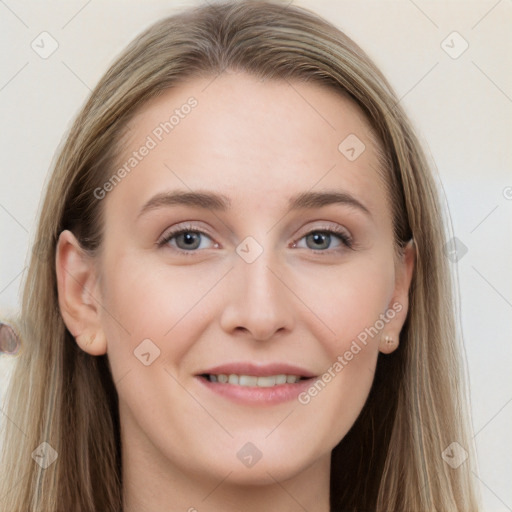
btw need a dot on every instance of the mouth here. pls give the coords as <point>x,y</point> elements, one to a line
<point>266,381</point>
<point>252,384</point>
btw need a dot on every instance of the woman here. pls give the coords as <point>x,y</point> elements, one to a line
<point>239,298</point>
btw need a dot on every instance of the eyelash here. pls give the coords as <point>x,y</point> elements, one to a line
<point>345,239</point>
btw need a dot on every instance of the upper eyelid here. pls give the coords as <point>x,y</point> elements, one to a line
<point>175,231</point>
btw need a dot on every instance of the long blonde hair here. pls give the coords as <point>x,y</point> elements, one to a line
<point>392,458</point>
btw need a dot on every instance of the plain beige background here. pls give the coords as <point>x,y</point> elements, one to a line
<point>460,100</point>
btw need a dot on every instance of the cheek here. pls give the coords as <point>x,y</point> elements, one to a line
<point>165,305</point>
<point>350,299</point>
<point>337,397</point>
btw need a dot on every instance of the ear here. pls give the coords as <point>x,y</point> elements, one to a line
<point>404,268</point>
<point>79,297</point>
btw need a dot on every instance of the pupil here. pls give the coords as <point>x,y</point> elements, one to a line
<point>190,240</point>
<point>322,239</point>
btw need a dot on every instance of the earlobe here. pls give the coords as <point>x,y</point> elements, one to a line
<point>78,294</point>
<point>94,344</point>
<point>388,344</point>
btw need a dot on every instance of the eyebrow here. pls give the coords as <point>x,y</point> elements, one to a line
<point>326,198</point>
<point>220,202</point>
<point>205,200</point>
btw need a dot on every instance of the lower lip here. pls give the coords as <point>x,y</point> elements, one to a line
<point>253,395</point>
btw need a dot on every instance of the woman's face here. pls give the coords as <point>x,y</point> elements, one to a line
<point>285,266</point>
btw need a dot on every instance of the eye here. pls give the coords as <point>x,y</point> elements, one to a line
<point>186,239</point>
<point>324,240</point>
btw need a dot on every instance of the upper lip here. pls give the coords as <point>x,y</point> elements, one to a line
<point>257,370</point>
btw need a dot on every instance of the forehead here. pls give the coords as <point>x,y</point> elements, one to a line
<point>255,140</point>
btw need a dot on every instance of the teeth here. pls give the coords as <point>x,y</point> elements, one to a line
<point>252,381</point>
<point>281,379</point>
<point>266,382</point>
<point>246,380</point>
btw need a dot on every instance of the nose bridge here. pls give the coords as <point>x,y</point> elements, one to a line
<point>255,261</point>
<point>259,301</point>
<point>260,282</point>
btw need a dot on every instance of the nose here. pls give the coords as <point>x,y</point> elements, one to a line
<point>260,302</point>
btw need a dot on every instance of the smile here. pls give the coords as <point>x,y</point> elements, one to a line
<point>266,381</point>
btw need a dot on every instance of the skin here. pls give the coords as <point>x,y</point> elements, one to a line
<point>259,143</point>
